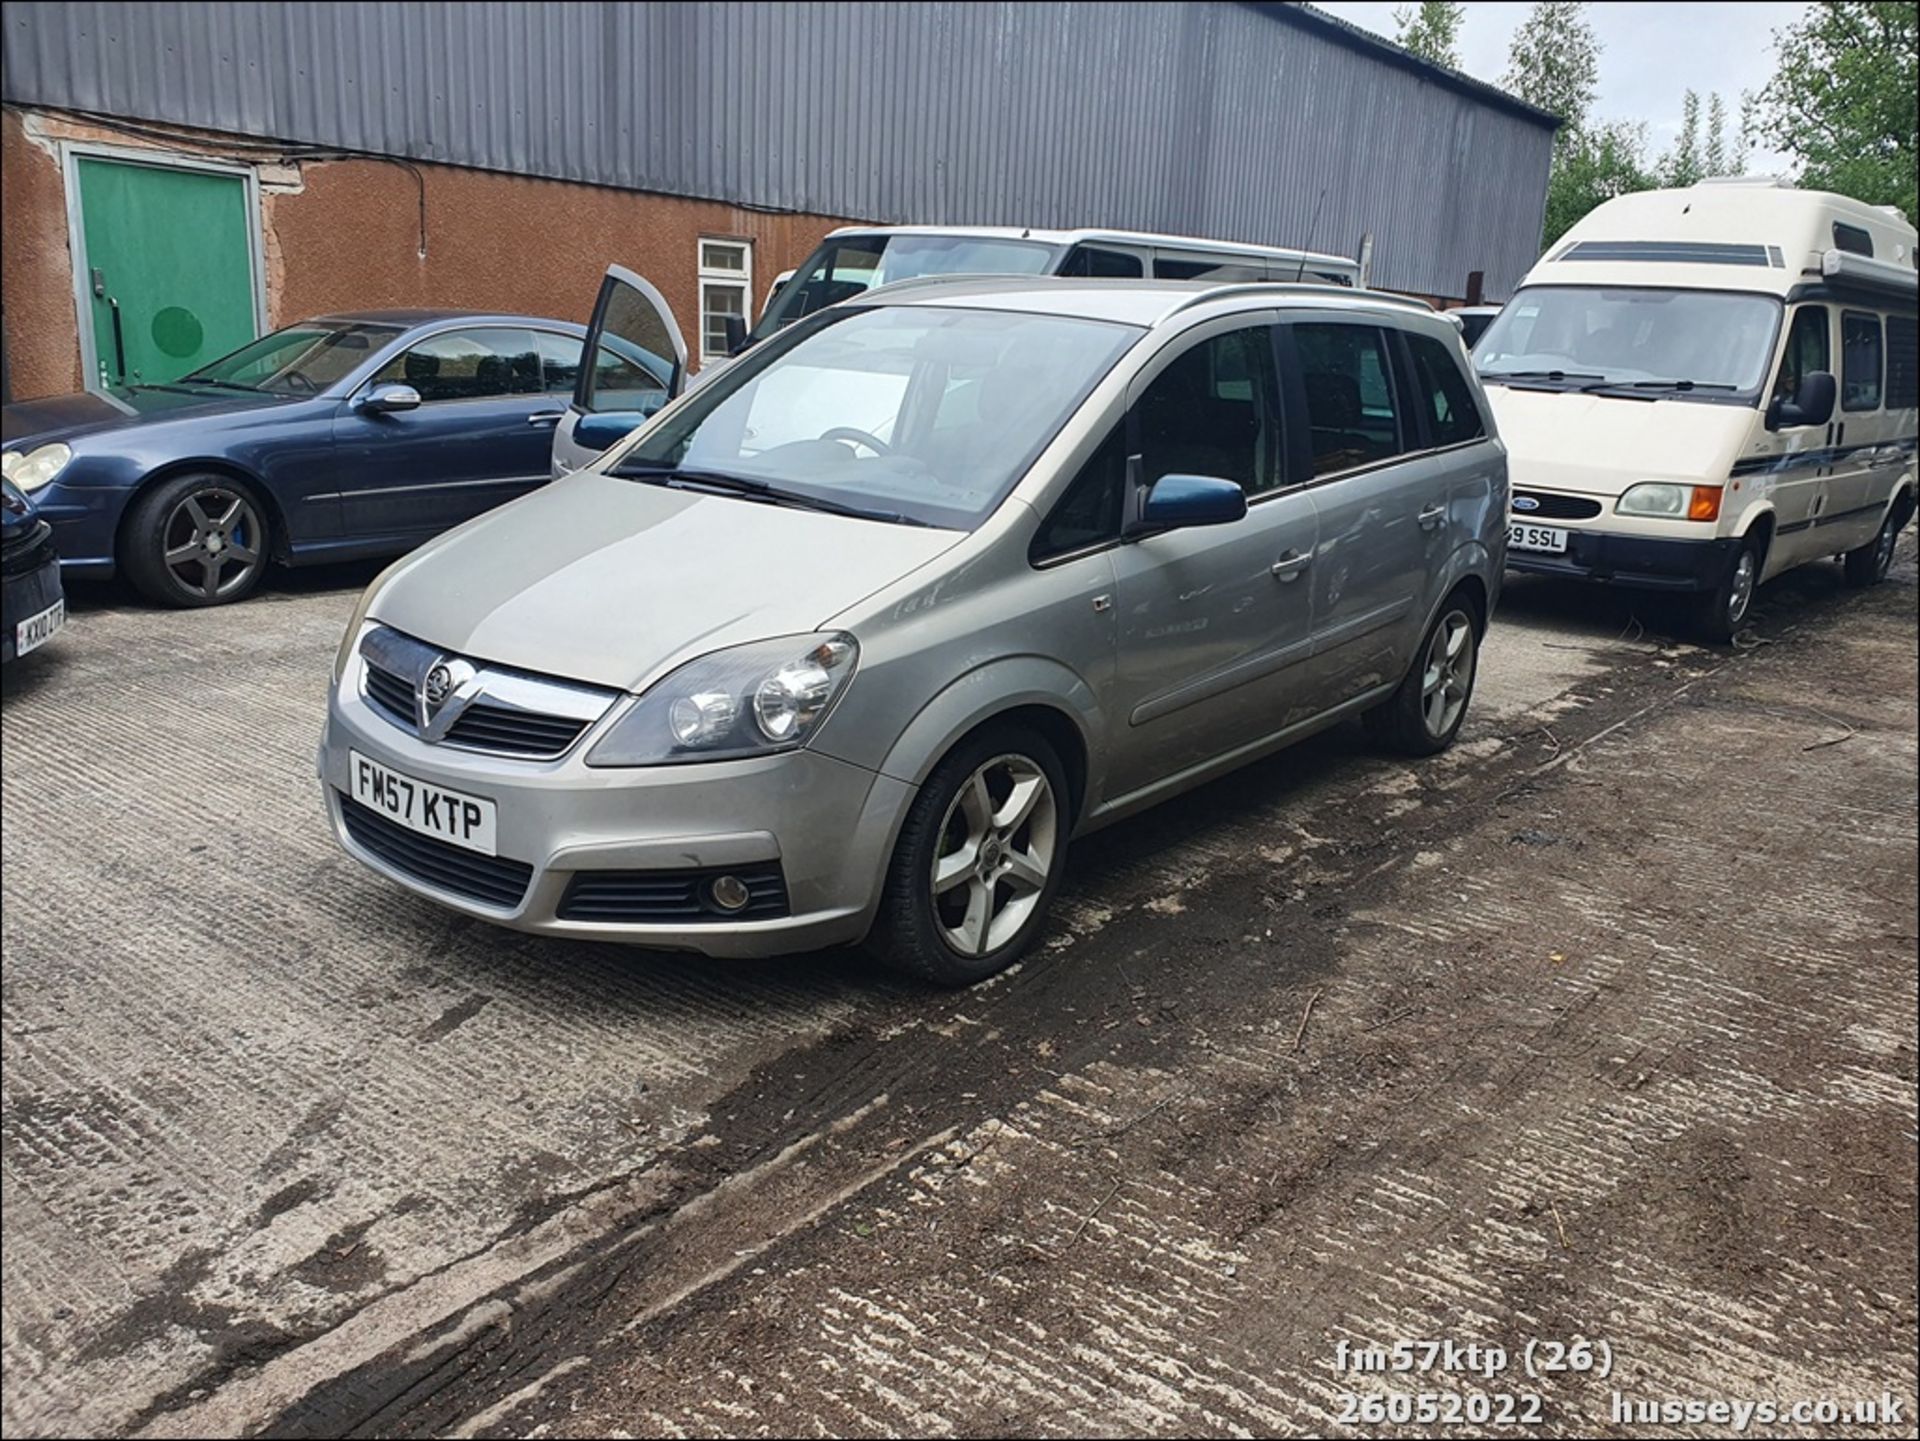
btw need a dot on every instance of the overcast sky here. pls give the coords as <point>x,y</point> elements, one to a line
<point>1650,54</point>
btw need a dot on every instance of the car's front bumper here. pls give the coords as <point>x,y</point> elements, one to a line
<point>1633,560</point>
<point>29,582</point>
<point>827,825</point>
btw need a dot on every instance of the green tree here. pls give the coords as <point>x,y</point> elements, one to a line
<point>1554,63</point>
<point>1716,159</point>
<point>1842,100</point>
<point>1682,164</point>
<point>1431,30</point>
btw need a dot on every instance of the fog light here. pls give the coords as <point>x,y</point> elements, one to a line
<point>730,893</point>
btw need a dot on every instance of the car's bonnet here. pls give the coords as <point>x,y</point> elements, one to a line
<point>29,423</point>
<point>612,581</point>
<point>1601,444</point>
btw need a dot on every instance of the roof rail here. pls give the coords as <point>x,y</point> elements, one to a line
<point>1294,287</point>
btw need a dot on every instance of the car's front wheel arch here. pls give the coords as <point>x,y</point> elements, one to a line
<point>280,534</point>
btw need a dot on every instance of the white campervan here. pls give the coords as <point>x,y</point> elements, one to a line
<point>1701,388</point>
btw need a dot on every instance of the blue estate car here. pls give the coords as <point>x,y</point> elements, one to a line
<point>333,439</point>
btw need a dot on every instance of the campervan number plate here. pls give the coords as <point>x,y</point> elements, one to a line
<point>1536,537</point>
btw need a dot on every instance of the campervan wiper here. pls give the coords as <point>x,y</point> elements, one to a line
<point>1541,375</point>
<point>1678,385</point>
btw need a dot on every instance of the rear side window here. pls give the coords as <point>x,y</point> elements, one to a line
<point>1903,366</point>
<point>468,365</point>
<point>1859,361</point>
<point>1452,416</point>
<point>1349,390</point>
<point>559,362</point>
<point>1090,260</point>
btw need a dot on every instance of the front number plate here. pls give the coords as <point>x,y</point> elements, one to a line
<point>36,630</point>
<point>451,816</point>
<point>1535,537</point>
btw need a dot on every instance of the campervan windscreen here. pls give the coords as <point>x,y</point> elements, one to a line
<point>1641,339</point>
<point>851,264</point>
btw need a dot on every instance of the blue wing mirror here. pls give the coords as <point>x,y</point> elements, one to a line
<point>386,399</point>
<point>1177,501</point>
<point>600,429</point>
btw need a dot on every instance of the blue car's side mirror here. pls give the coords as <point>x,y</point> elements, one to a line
<point>1176,501</point>
<point>602,429</point>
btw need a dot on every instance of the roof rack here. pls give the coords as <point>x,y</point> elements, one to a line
<point>1295,287</point>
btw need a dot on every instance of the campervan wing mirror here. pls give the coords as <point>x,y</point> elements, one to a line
<point>1811,404</point>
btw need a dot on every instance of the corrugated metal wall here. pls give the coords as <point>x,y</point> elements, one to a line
<point>1209,119</point>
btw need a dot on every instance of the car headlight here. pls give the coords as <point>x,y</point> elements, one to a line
<point>1671,502</point>
<point>37,467</point>
<point>358,624</point>
<point>8,460</point>
<point>749,700</point>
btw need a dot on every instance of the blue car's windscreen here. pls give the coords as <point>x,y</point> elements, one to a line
<point>302,359</point>
<point>917,412</point>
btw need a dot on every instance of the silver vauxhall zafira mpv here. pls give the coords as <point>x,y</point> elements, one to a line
<point>848,643</point>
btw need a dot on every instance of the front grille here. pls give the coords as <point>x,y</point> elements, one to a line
<point>391,694</point>
<point>1556,507</point>
<point>672,895</point>
<point>515,714</point>
<point>486,727</point>
<point>29,552</point>
<point>492,879</point>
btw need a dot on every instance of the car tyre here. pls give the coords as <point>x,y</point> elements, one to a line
<point>1869,564</point>
<point>196,540</point>
<point>1426,712</point>
<point>977,862</point>
<point>1719,613</point>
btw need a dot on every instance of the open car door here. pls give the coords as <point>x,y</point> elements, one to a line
<point>634,361</point>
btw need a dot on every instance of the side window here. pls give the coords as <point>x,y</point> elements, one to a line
<point>1212,412</point>
<point>1859,361</point>
<point>1451,412</point>
<point>1090,511</point>
<point>559,362</point>
<point>1807,351</point>
<point>1853,238</point>
<point>467,365</point>
<point>1903,362</point>
<point>1203,267</point>
<point>1092,261</point>
<point>726,285</point>
<point>1350,407</point>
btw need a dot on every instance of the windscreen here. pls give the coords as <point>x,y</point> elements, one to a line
<point>1631,337</point>
<point>853,264</point>
<point>300,360</point>
<point>921,412</point>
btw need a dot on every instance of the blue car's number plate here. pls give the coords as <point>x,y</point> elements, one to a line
<point>451,816</point>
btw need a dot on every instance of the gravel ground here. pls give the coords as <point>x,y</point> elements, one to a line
<point>1604,1024</point>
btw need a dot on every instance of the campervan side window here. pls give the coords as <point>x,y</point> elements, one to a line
<point>1859,361</point>
<point>1093,261</point>
<point>1903,362</point>
<point>1808,349</point>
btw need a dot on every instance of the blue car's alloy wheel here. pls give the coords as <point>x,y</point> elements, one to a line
<point>196,540</point>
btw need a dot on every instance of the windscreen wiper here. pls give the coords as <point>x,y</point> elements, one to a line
<point>218,384</point>
<point>1540,375</point>
<point>674,475</point>
<point>1675,385</point>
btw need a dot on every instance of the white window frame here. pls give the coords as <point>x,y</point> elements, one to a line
<point>716,278</point>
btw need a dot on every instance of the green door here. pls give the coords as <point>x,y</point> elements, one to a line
<point>172,253</point>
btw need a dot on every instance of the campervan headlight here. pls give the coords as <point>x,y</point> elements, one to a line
<point>1666,501</point>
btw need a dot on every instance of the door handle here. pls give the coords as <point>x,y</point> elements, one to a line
<point>119,341</point>
<point>1289,566</point>
<point>1432,516</point>
<point>545,417</point>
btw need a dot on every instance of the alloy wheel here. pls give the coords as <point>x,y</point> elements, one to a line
<point>1447,679</point>
<point>212,542</point>
<point>1883,551</point>
<point>997,847</point>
